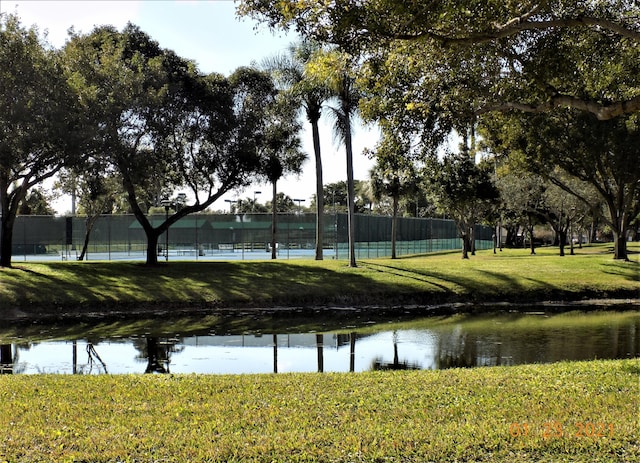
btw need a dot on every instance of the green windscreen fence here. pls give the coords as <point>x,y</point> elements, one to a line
<point>247,236</point>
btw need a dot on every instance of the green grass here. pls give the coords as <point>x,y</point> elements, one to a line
<point>511,275</point>
<point>499,414</point>
<point>573,412</point>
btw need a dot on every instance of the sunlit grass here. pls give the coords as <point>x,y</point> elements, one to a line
<point>511,275</point>
<point>579,412</point>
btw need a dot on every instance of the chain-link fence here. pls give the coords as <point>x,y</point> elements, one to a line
<point>229,236</point>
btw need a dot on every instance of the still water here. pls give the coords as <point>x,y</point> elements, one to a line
<point>224,344</point>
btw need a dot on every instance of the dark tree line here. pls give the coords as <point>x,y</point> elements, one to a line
<point>116,105</point>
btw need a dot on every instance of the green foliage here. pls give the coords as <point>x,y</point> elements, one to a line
<point>36,203</point>
<point>284,203</point>
<point>290,73</point>
<point>335,197</point>
<point>335,70</point>
<point>163,126</point>
<point>462,414</point>
<point>486,55</point>
<point>572,149</point>
<point>463,189</point>
<point>42,124</point>
<point>394,173</point>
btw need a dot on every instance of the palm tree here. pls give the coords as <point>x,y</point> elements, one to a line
<point>333,69</point>
<point>288,70</point>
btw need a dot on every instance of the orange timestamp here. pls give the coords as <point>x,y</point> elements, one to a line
<point>558,430</point>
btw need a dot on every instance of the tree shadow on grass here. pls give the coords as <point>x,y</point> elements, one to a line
<point>494,283</point>
<point>627,269</point>
<point>130,286</point>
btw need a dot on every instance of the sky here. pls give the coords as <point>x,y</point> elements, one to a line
<point>209,33</point>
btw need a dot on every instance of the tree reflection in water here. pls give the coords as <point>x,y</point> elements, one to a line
<point>156,352</point>
<point>6,359</point>
<point>466,341</point>
<point>94,359</point>
<point>378,364</point>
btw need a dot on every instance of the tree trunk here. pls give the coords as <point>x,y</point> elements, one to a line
<point>394,227</point>
<point>495,242</point>
<point>532,245</point>
<point>466,245</point>
<point>512,233</point>
<point>464,231</point>
<point>90,222</point>
<point>274,218</point>
<point>619,245</point>
<point>9,205</point>
<point>152,248</point>
<point>350,193</point>
<point>562,240</point>
<point>619,225</point>
<point>472,240</point>
<point>319,192</point>
<point>6,241</point>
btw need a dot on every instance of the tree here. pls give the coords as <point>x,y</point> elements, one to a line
<point>284,203</point>
<point>436,67</point>
<point>41,122</point>
<point>393,175</point>
<point>335,195</point>
<point>163,126</point>
<point>510,48</point>
<point>249,206</point>
<point>603,154</point>
<point>36,203</point>
<point>96,190</point>
<point>334,70</point>
<point>289,71</point>
<point>281,155</point>
<point>523,205</point>
<point>462,189</point>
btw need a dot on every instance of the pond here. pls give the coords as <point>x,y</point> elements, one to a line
<point>224,343</point>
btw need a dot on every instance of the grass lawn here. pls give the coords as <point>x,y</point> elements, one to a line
<point>573,412</point>
<point>564,412</point>
<point>511,275</point>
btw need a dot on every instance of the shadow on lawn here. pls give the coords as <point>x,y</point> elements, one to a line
<point>629,270</point>
<point>493,284</point>
<point>202,284</point>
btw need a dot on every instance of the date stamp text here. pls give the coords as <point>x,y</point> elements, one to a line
<point>558,430</point>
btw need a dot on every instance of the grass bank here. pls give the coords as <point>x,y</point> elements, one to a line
<point>577,412</point>
<point>54,289</point>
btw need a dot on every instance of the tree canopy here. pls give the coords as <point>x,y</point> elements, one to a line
<point>603,154</point>
<point>163,126</point>
<point>485,55</point>
<point>42,122</point>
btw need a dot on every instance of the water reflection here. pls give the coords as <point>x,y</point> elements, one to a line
<point>6,359</point>
<point>428,343</point>
<point>379,364</point>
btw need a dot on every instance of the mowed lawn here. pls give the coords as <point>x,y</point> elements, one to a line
<point>38,289</point>
<point>564,412</point>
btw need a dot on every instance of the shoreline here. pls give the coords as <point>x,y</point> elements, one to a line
<point>19,316</point>
<point>421,285</point>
